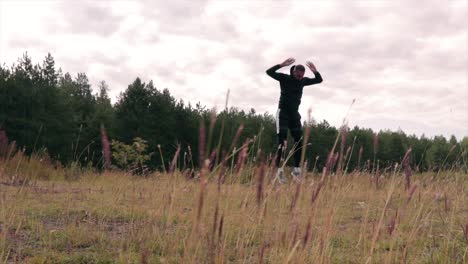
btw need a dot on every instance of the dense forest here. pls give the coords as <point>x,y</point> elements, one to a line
<point>43,109</point>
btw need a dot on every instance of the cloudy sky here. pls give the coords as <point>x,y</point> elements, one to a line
<point>405,62</point>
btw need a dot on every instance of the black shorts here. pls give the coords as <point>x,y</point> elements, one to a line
<point>287,120</point>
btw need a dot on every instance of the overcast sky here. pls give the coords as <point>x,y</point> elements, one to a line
<point>405,62</point>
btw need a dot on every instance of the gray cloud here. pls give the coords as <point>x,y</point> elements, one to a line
<point>404,62</point>
<point>190,18</point>
<point>85,17</point>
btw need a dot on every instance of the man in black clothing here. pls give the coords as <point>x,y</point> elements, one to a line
<point>288,116</point>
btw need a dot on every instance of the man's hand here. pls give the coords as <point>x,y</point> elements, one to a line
<point>311,66</point>
<point>287,62</point>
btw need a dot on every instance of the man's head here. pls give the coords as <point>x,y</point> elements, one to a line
<point>298,71</point>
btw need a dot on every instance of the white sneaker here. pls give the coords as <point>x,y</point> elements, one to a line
<point>280,176</point>
<point>297,174</point>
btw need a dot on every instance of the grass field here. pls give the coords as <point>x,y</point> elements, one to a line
<point>114,217</point>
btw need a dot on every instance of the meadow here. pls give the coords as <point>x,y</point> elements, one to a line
<point>51,214</point>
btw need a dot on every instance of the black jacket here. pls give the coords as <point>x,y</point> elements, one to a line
<point>291,88</point>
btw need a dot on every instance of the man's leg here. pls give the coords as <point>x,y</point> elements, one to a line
<point>297,135</point>
<point>282,136</point>
<point>296,132</point>
<point>282,133</point>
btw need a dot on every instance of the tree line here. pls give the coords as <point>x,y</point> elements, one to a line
<point>46,110</point>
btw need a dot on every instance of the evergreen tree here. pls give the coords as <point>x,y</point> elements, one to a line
<point>42,108</point>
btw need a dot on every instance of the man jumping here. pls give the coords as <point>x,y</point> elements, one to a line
<point>287,116</point>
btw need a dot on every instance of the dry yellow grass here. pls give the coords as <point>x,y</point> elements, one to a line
<point>165,218</point>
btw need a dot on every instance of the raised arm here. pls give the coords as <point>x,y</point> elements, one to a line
<point>277,75</point>
<point>318,77</point>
